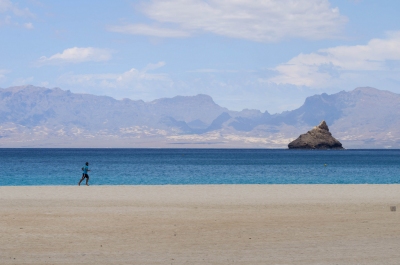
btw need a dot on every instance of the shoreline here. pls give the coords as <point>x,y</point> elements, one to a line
<point>200,224</point>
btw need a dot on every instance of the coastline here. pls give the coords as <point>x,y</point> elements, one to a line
<point>200,224</point>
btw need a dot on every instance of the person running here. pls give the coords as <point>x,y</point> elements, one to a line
<point>85,174</point>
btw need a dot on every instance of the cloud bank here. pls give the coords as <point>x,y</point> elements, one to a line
<point>7,5</point>
<point>328,66</point>
<point>143,29</point>
<point>255,20</point>
<point>12,11</point>
<point>126,79</point>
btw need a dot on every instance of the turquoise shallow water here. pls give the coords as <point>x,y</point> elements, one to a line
<point>198,166</point>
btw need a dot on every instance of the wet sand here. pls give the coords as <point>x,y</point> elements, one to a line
<point>207,224</point>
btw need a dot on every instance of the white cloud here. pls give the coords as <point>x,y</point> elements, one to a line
<point>3,73</point>
<point>8,6</point>
<point>326,66</point>
<point>5,5</point>
<point>44,84</point>
<point>14,15</point>
<point>22,81</point>
<point>28,25</point>
<point>153,66</point>
<point>210,70</point>
<point>134,83</point>
<point>142,29</point>
<point>126,79</point>
<point>77,55</point>
<point>256,20</point>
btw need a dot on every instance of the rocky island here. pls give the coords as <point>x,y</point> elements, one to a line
<point>318,138</point>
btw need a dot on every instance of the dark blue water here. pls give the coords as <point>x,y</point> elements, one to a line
<point>198,166</point>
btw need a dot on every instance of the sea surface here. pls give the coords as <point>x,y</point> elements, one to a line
<point>20,167</point>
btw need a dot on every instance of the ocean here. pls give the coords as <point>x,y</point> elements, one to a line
<point>24,167</point>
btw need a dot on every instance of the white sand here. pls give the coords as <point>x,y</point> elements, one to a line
<point>217,224</point>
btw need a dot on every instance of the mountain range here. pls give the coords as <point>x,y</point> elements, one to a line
<point>41,117</point>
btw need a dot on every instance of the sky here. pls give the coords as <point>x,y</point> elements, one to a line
<point>246,54</point>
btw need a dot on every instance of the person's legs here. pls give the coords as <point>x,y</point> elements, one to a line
<point>83,176</point>
<point>87,179</point>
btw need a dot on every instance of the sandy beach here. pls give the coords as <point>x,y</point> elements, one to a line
<point>206,224</point>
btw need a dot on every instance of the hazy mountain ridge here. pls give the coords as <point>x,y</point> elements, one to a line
<point>35,116</point>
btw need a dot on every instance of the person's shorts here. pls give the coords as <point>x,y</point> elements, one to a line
<point>85,175</point>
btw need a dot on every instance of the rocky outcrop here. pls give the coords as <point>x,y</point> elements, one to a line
<point>318,138</point>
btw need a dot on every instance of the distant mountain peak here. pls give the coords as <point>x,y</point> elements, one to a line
<point>366,89</point>
<point>323,126</point>
<point>371,94</point>
<point>372,91</point>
